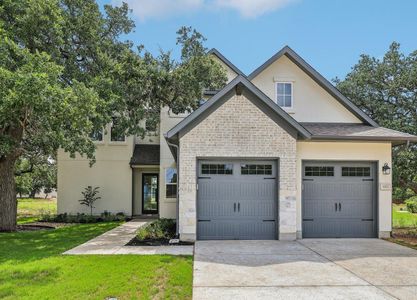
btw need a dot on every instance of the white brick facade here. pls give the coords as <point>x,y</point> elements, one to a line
<point>237,129</point>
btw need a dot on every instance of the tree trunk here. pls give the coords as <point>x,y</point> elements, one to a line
<point>8,201</point>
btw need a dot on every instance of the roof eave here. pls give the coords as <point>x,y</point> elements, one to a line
<point>226,61</point>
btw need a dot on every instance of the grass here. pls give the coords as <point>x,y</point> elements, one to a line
<point>29,209</point>
<point>403,218</point>
<point>32,267</point>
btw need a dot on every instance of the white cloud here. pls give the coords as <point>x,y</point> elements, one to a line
<point>151,9</point>
<point>253,8</point>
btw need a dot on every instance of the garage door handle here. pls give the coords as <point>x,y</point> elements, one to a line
<point>234,207</point>
<point>340,206</point>
<point>335,207</point>
<point>238,207</point>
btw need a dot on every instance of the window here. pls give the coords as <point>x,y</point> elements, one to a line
<point>319,171</point>
<point>171,182</point>
<point>356,171</point>
<point>115,134</point>
<point>284,94</point>
<point>256,169</point>
<point>217,169</point>
<point>97,136</point>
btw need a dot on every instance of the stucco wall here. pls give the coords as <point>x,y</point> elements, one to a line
<point>111,172</point>
<point>354,151</point>
<point>238,128</point>
<point>311,103</point>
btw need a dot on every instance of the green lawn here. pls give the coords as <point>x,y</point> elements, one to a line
<point>28,210</point>
<point>402,218</point>
<point>32,267</point>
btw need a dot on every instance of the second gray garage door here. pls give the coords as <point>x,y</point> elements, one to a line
<point>339,199</point>
<point>237,200</point>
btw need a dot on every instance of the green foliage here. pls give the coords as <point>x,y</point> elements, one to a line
<point>65,71</point>
<point>386,89</point>
<point>412,204</point>
<point>159,229</point>
<point>401,218</point>
<point>90,195</point>
<point>35,175</point>
<point>83,218</point>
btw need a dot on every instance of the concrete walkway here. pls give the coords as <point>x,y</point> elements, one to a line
<point>114,241</point>
<point>306,269</point>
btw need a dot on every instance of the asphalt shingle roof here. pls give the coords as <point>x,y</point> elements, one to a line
<point>145,155</point>
<point>355,131</point>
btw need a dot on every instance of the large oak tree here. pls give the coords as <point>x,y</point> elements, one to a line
<point>386,89</point>
<point>65,72</point>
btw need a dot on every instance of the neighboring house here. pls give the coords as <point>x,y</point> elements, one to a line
<point>278,154</point>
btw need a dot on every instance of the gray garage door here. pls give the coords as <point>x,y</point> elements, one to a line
<point>339,199</point>
<point>237,200</point>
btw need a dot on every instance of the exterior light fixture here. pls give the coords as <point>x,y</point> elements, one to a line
<point>386,170</point>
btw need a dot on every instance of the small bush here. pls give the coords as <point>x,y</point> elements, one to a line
<point>412,204</point>
<point>84,218</point>
<point>160,229</point>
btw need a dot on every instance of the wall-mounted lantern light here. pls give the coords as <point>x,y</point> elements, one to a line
<point>386,170</point>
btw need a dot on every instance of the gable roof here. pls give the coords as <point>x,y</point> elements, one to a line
<point>227,62</point>
<point>239,80</point>
<point>318,78</point>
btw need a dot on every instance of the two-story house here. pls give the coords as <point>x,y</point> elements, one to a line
<point>277,154</point>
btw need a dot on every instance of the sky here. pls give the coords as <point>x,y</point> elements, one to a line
<point>329,34</point>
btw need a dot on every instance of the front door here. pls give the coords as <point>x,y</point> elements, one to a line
<point>150,193</point>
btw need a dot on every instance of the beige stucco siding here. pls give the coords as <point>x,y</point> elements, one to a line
<point>111,172</point>
<point>311,103</point>
<point>350,151</point>
<point>237,129</point>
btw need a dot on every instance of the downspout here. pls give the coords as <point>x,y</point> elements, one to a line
<point>178,183</point>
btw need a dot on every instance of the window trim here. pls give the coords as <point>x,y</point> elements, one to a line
<point>171,183</point>
<point>349,168</point>
<point>217,169</point>
<point>292,94</point>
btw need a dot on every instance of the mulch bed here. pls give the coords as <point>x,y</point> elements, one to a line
<point>155,242</point>
<point>41,226</point>
<point>405,236</point>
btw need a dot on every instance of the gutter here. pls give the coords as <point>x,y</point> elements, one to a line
<point>178,183</point>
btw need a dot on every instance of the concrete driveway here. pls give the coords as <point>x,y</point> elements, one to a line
<point>305,269</point>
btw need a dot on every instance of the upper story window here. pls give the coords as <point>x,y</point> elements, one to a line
<point>284,94</point>
<point>97,136</point>
<point>115,135</point>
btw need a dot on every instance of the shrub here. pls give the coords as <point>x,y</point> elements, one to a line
<point>84,218</point>
<point>89,197</point>
<point>412,204</point>
<point>159,229</point>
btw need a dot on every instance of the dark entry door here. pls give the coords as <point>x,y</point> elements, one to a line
<point>150,193</point>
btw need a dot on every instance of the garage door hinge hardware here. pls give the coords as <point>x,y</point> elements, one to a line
<point>367,219</point>
<point>204,177</point>
<point>268,220</point>
<point>269,178</point>
<point>308,219</point>
<point>204,220</point>
<point>370,179</point>
<point>308,179</point>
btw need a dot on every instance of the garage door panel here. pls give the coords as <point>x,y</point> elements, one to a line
<point>337,203</point>
<point>238,205</point>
